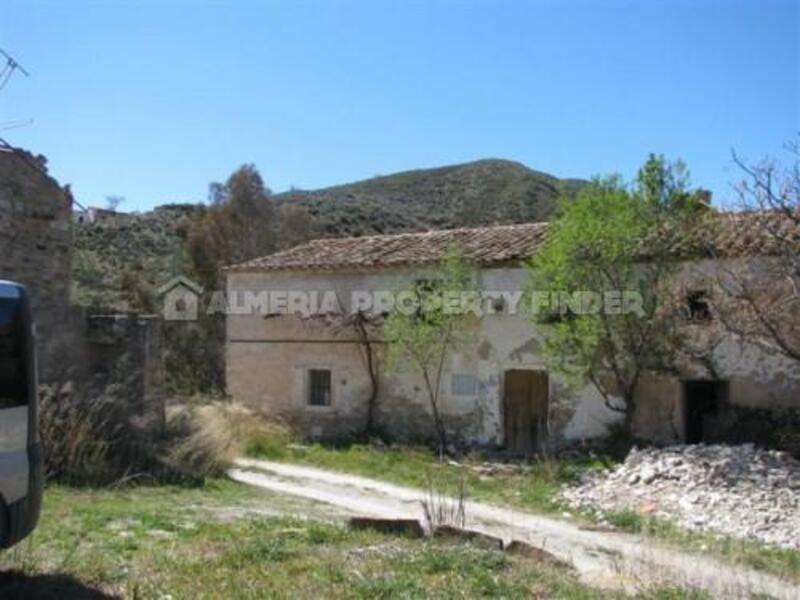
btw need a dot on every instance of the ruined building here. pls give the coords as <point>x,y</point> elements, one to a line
<point>36,242</point>
<point>496,390</point>
<point>93,347</point>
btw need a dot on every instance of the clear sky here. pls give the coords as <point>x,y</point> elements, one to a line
<point>154,100</point>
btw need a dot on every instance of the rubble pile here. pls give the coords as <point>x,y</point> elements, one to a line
<point>739,491</point>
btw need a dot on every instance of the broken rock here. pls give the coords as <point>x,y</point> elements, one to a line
<point>740,491</point>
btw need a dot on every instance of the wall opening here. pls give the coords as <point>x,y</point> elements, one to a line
<point>698,305</point>
<point>525,409</point>
<point>702,403</point>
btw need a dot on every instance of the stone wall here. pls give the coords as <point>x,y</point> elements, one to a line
<point>125,350</point>
<point>116,356</point>
<point>35,244</point>
<point>94,351</point>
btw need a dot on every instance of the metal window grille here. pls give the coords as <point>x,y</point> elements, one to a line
<point>319,387</point>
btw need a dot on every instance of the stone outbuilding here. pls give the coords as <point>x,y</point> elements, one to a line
<point>76,346</point>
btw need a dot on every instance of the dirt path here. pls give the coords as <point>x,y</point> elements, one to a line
<point>604,559</point>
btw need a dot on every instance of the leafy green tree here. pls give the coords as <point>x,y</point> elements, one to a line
<point>427,324</point>
<point>239,224</point>
<point>609,258</point>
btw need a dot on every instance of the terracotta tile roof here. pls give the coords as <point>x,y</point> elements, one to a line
<point>479,246</point>
<point>758,233</point>
<point>736,234</point>
<point>726,236</point>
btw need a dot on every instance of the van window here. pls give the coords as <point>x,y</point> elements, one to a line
<point>13,354</point>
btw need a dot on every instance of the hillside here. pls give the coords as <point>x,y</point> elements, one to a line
<point>114,262</point>
<point>120,263</point>
<point>477,193</point>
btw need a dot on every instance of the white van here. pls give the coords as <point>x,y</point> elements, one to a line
<point>21,468</point>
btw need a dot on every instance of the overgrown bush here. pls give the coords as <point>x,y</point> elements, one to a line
<point>91,438</point>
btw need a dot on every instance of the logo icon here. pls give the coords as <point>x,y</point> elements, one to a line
<point>180,299</point>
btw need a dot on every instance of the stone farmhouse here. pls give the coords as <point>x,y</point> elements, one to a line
<point>496,392</point>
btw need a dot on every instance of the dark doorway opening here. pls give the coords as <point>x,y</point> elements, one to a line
<point>702,401</point>
<point>525,406</point>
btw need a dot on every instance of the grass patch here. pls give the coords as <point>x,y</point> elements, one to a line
<point>157,542</point>
<point>627,520</point>
<point>782,562</point>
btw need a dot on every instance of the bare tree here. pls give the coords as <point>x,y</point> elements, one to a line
<point>760,299</point>
<point>364,324</point>
<point>366,327</point>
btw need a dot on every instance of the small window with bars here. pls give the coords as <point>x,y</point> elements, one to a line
<point>319,387</point>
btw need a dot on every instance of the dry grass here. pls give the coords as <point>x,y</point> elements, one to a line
<point>208,436</point>
<point>440,506</point>
<point>80,437</point>
<point>71,446</point>
<point>91,439</point>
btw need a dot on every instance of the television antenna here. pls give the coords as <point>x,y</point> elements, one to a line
<point>7,70</point>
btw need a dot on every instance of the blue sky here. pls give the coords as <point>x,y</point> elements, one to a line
<point>154,100</point>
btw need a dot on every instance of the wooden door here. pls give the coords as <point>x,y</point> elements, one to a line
<point>525,410</point>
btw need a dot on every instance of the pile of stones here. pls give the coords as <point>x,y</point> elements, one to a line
<point>739,491</point>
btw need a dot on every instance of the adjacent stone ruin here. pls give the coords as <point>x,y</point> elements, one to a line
<point>36,242</point>
<point>75,346</point>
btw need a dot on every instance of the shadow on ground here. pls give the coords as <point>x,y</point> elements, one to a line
<point>15,585</point>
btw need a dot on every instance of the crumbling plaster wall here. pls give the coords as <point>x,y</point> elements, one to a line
<point>267,361</point>
<point>758,381</point>
<point>758,378</point>
<point>513,342</point>
<point>268,358</point>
